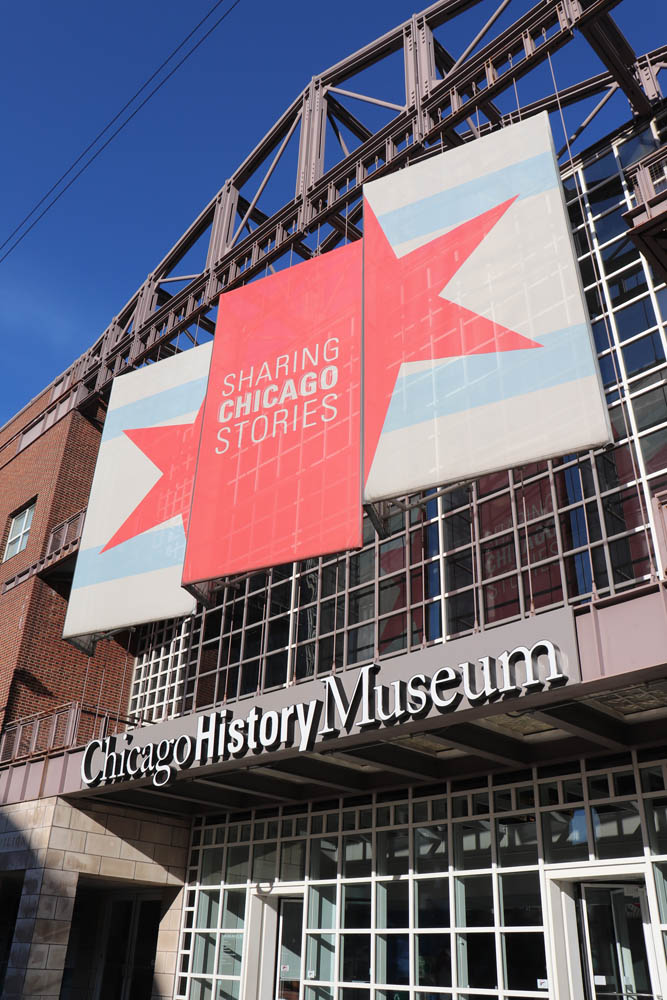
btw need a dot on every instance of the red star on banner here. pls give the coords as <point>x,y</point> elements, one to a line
<point>406,319</point>
<point>173,450</point>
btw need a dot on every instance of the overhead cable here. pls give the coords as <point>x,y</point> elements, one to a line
<point>120,127</point>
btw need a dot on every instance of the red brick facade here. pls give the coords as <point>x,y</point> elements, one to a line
<point>38,670</point>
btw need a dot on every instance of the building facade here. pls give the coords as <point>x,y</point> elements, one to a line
<point>429,769</point>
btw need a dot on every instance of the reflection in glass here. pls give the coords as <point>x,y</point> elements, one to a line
<point>472,844</point>
<point>617,830</point>
<point>229,958</point>
<point>432,902</point>
<point>476,956</point>
<point>357,906</point>
<point>392,905</point>
<point>431,848</point>
<point>203,952</point>
<point>322,906</point>
<point>520,898</point>
<point>233,910</point>
<point>264,862</point>
<point>474,901</point>
<point>293,861</point>
<point>357,856</point>
<point>355,958</point>
<point>433,959</point>
<point>393,852</point>
<point>320,956</point>
<point>207,908</point>
<point>565,835</point>
<point>323,857</point>
<point>524,960</point>
<point>392,958</point>
<point>237,865</point>
<point>517,840</point>
<point>211,866</point>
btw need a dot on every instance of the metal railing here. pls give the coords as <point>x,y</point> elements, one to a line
<point>66,532</point>
<point>63,541</point>
<point>649,181</point>
<point>62,728</point>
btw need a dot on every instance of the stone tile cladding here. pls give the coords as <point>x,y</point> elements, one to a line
<point>54,842</point>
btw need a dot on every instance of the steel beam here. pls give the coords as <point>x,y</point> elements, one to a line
<point>435,114</point>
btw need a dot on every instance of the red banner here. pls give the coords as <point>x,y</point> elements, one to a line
<point>278,470</point>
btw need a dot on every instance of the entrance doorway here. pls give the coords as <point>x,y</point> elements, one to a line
<point>111,950</point>
<point>288,948</point>
<point>614,936</point>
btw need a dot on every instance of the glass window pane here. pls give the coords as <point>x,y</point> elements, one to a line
<point>211,866</point>
<point>293,861</point>
<point>474,901</point>
<point>233,911</point>
<point>357,856</point>
<point>476,959</point>
<point>264,862</point>
<point>431,849</point>
<point>517,840</point>
<point>355,958</point>
<point>323,857</point>
<point>203,952</point>
<point>320,956</point>
<point>432,902</point>
<point>207,908</point>
<point>392,906</point>
<point>565,835</point>
<point>643,354</point>
<point>356,906</point>
<point>229,957</point>
<point>322,906</point>
<point>237,865</point>
<point>392,957</point>
<point>393,852</point>
<point>433,960</point>
<point>472,844</point>
<point>656,815</point>
<point>521,899</point>
<point>524,960</point>
<point>660,872</point>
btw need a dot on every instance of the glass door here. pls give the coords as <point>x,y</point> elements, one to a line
<point>128,941</point>
<point>614,923</point>
<point>288,949</point>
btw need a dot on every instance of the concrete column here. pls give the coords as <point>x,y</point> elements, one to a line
<point>39,946</point>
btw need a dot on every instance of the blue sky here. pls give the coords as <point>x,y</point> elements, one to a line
<point>66,70</point>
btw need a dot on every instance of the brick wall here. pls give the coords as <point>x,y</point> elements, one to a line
<point>39,671</point>
<point>29,413</point>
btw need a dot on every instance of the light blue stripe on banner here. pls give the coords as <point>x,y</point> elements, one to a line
<point>150,551</point>
<point>460,384</point>
<point>154,409</point>
<point>458,204</point>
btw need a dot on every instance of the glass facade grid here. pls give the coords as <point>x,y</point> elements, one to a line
<point>558,531</point>
<point>438,891</point>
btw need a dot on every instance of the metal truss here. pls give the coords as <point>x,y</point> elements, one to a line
<point>448,100</point>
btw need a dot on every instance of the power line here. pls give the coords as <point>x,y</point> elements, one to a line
<point>120,127</point>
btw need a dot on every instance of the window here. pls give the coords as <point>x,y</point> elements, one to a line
<point>19,529</point>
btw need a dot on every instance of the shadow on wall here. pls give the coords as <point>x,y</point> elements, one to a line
<point>89,901</point>
<point>11,886</point>
<point>19,899</point>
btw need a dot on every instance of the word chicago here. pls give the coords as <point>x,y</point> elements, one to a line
<point>292,392</point>
<point>222,736</point>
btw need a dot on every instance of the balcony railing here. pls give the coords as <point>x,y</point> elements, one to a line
<point>62,728</point>
<point>62,542</point>
<point>648,219</point>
